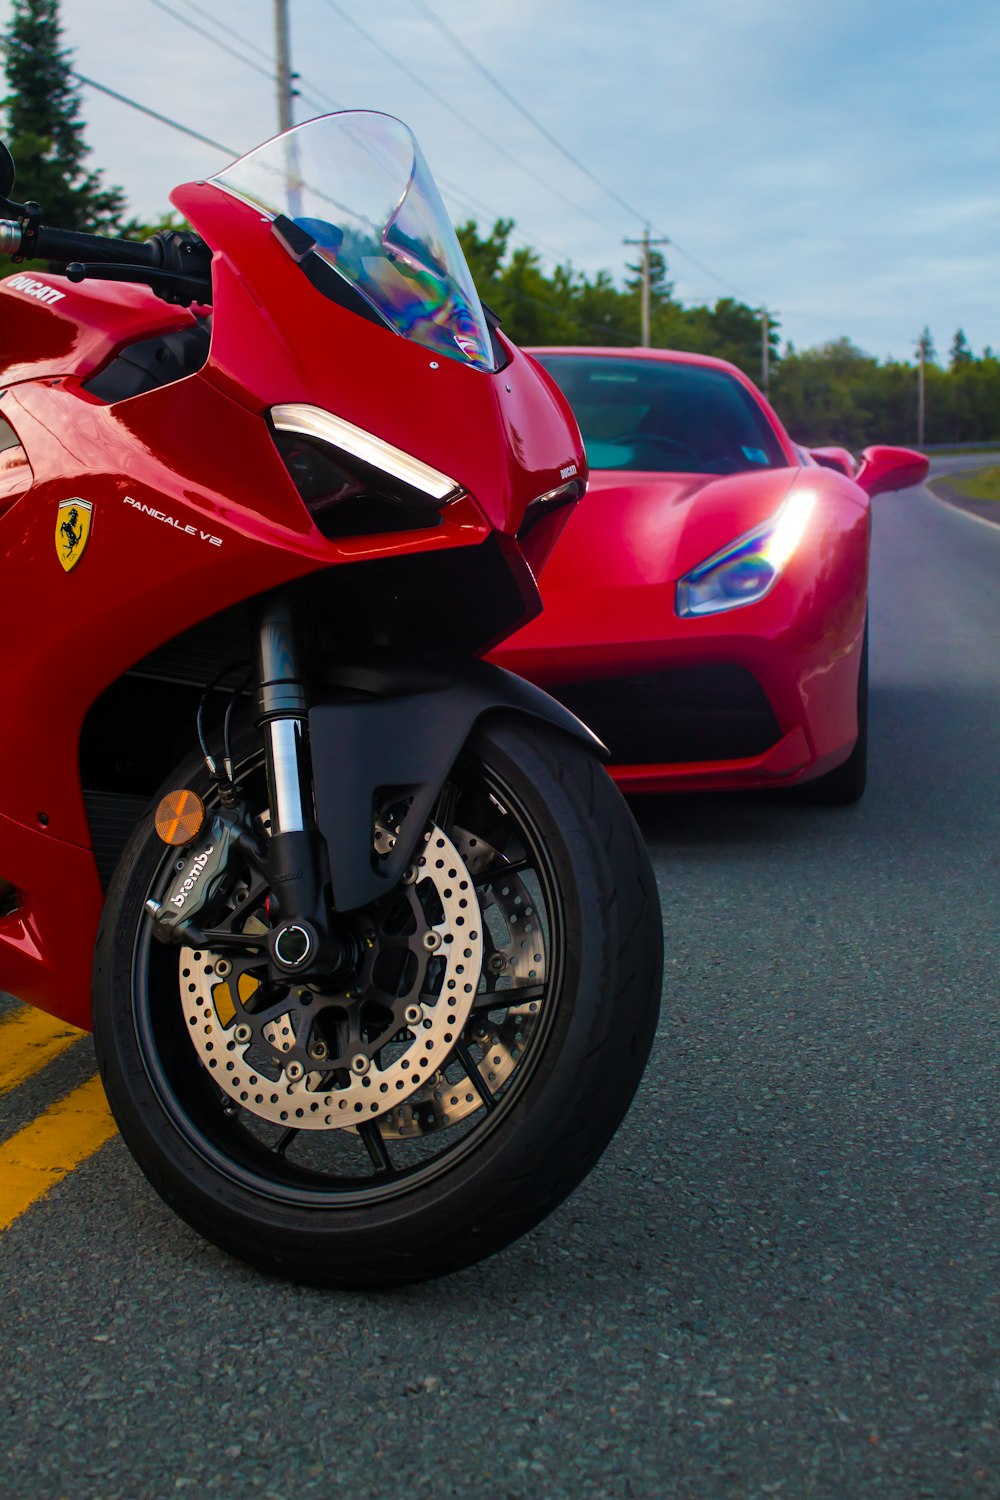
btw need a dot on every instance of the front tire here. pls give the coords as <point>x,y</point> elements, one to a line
<point>845,784</point>
<point>543,1070</point>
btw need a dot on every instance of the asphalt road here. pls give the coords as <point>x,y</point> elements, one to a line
<point>781,1280</point>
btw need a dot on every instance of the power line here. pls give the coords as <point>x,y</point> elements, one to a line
<point>144,109</point>
<point>703,268</point>
<point>424,9</point>
<point>283,66</point>
<point>237,35</point>
<point>471,58</point>
<point>477,206</point>
<point>231,151</point>
<point>446,104</point>
<point>321,106</point>
<point>316,95</point>
<point>646,243</point>
<point>267,73</point>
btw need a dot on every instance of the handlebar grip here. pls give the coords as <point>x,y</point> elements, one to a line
<point>69,245</point>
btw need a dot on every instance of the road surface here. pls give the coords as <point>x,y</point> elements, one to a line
<point>783,1278</point>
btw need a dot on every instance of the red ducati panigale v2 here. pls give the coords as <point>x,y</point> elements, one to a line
<point>372,941</point>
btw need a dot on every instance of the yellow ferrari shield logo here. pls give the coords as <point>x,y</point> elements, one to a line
<point>73,522</point>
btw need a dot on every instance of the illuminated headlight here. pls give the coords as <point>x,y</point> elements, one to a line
<point>371,451</point>
<point>748,568</point>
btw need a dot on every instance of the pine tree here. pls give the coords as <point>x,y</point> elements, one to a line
<point>661,288</point>
<point>960,354</point>
<point>925,346</point>
<point>45,127</point>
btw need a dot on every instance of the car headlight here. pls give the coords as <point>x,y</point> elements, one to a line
<point>748,568</point>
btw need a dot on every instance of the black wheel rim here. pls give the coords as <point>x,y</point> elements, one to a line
<point>504,1039</point>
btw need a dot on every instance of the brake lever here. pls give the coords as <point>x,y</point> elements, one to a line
<point>188,289</point>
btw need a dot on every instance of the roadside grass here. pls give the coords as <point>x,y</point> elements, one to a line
<point>977,484</point>
<point>959,450</point>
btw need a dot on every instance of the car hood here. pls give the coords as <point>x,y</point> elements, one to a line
<point>652,528</point>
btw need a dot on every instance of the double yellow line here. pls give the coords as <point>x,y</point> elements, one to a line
<point>47,1150</point>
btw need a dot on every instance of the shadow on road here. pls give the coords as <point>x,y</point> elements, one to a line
<point>928,751</point>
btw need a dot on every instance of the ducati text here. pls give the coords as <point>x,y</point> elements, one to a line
<point>32,288</point>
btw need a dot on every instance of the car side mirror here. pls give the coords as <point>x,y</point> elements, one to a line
<point>6,171</point>
<point>835,458</point>
<point>884,469</point>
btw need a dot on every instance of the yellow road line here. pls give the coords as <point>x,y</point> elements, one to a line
<point>28,1040</point>
<point>48,1149</point>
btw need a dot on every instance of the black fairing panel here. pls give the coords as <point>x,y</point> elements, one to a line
<point>396,731</point>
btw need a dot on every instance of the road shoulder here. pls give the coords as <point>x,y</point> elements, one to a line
<point>943,488</point>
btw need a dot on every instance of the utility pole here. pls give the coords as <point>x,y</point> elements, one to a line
<point>765,351</point>
<point>921,353</point>
<point>286,93</point>
<point>283,66</point>
<point>645,242</point>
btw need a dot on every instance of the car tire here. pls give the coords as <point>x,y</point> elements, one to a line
<point>845,785</point>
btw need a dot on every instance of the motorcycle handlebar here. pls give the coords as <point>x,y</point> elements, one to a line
<point>175,264</point>
<point>68,245</point>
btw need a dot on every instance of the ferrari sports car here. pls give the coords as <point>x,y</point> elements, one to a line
<point>706,605</point>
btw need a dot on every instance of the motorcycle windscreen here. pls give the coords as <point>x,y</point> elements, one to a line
<point>358,185</point>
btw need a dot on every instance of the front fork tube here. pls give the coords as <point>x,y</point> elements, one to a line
<point>300,944</point>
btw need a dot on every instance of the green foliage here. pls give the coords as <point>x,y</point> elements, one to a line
<point>834,394</point>
<point>569,307</point>
<point>45,128</point>
<point>838,394</point>
<point>977,484</point>
<point>135,229</point>
<point>925,346</point>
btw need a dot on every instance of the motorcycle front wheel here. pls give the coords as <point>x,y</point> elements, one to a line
<point>461,1084</point>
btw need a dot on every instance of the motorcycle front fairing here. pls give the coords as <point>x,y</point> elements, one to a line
<point>193,512</point>
<point>434,384</point>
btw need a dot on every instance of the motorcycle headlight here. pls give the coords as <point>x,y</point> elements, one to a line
<point>354,482</point>
<point>748,568</point>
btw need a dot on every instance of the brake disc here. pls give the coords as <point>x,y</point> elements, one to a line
<point>516,962</point>
<point>275,1088</point>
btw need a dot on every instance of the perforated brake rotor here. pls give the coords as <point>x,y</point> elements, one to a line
<point>517,966</point>
<point>323,1100</point>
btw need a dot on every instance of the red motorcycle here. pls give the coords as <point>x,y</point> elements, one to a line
<point>375,944</point>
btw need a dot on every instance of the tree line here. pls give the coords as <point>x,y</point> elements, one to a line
<point>835,393</point>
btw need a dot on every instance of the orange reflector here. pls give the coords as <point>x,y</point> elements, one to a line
<point>180,817</point>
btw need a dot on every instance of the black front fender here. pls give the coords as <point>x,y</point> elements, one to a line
<point>397,730</point>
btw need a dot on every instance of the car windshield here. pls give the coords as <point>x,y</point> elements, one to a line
<point>664,416</point>
<point>357,185</point>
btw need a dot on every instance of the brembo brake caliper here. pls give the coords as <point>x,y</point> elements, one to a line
<point>205,850</point>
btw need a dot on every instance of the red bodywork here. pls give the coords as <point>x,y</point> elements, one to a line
<point>609,591</point>
<point>217,518</point>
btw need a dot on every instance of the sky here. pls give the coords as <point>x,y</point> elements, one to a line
<point>838,164</point>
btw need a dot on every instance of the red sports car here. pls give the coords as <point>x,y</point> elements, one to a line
<point>706,605</point>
